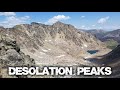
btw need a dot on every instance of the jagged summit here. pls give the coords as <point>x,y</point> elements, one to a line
<point>58,23</point>
<point>36,33</point>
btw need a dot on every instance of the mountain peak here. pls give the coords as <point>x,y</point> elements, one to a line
<point>58,23</point>
<point>34,23</point>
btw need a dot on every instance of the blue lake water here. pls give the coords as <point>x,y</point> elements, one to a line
<point>92,51</point>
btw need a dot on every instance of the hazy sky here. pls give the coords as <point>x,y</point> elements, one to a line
<point>81,20</point>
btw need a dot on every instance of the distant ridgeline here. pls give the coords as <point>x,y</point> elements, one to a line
<point>111,38</point>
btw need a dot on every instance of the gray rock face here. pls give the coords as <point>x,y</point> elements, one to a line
<point>10,51</point>
<point>10,55</point>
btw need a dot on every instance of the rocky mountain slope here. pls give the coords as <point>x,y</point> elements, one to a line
<point>112,59</point>
<point>112,56</point>
<point>11,55</point>
<point>53,44</point>
<point>47,45</point>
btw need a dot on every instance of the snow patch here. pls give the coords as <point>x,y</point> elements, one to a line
<point>42,53</point>
<point>86,57</point>
<point>55,40</point>
<point>49,49</point>
<point>60,56</point>
<point>44,50</point>
<point>85,45</point>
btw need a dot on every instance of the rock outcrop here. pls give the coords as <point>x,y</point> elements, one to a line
<point>10,55</point>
